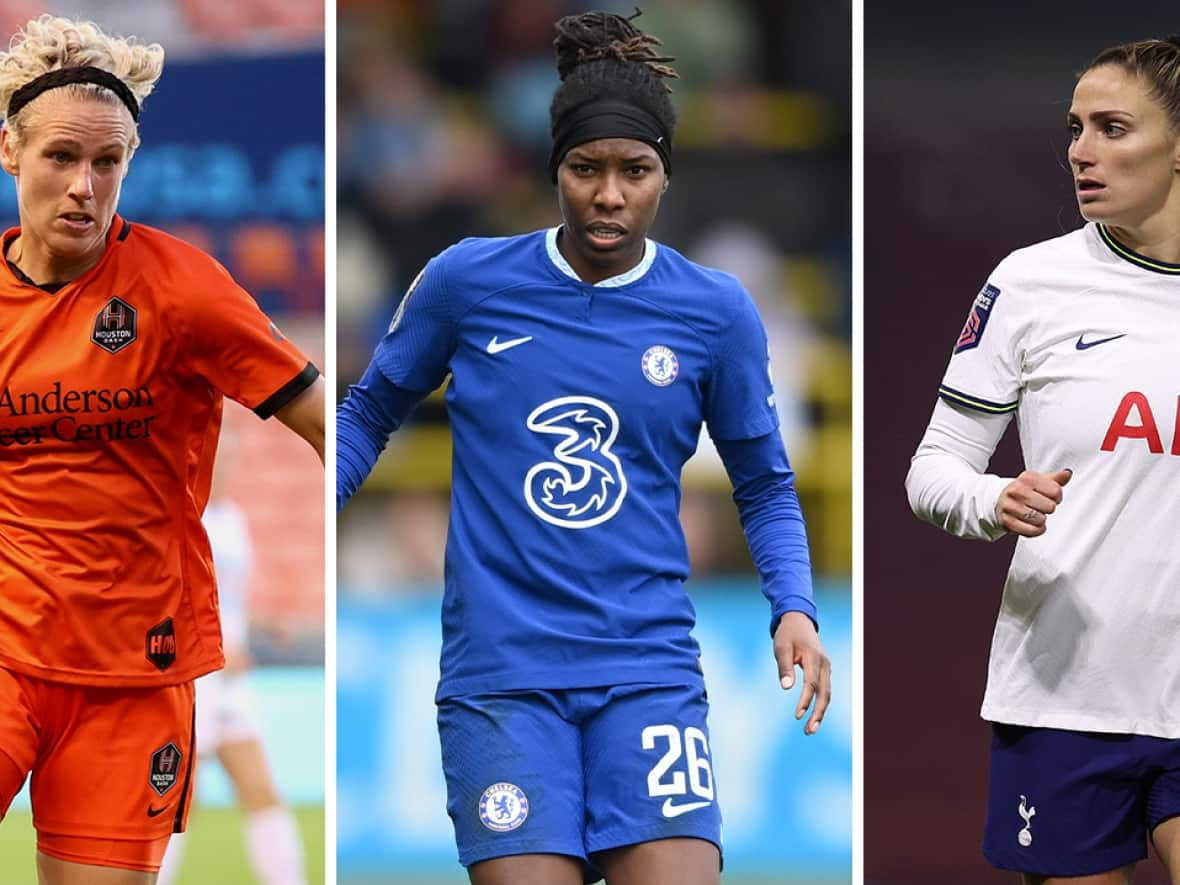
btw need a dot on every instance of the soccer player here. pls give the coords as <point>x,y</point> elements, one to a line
<point>1076,337</point>
<point>227,727</point>
<point>119,343</point>
<point>583,360</point>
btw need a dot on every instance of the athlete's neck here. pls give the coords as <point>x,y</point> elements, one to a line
<point>37,262</point>
<point>593,272</point>
<point>1157,242</point>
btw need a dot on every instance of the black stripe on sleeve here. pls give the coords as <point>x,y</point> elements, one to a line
<point>287,392</point>
<point>958,398</point>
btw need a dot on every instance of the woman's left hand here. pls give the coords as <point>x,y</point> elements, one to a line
<point>796,642</point>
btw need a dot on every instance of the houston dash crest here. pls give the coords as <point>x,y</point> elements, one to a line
<point>114,326</point>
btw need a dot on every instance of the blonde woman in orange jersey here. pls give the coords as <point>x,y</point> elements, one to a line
<point>117,345</point>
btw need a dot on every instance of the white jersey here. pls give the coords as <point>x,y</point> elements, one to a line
<point>1078,336</point>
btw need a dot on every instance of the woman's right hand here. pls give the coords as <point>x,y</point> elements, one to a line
<point>1025,504</point>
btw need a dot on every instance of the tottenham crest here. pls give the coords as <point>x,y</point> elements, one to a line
<point>1024,837</point>
<point>503,807</point>
<point>114,326</point>
<point>660,365</point>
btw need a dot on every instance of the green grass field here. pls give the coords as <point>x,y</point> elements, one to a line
<point>215,850</point>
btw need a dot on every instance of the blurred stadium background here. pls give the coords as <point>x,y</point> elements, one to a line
<point>442,122</point>
<point>965,160</point>
<point>233,161</point>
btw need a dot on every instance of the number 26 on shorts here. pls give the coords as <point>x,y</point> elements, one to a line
<point>662,780</point>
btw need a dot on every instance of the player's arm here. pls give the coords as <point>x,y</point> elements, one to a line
<point>305,415</point>
<point>373,409</point>
<point>948,485</point>
<point>764,491</point>
<point>410,361</point>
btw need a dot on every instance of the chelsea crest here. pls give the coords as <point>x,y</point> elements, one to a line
<point>503,807</point>
<point>660,365</point>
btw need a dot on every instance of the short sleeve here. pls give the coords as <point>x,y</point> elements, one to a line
<point>739,397</point>
<point>236,348</point>
<point>985,370</point>
<point>416,351</point>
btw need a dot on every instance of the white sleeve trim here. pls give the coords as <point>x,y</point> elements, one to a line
<point>946,484</point>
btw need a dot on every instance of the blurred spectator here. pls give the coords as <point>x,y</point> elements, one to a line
<point>188,27</point>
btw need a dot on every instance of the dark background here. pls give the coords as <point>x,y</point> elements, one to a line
<point>964,161</point>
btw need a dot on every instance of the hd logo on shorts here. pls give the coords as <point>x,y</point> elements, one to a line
<point>165,768</point>
<point>114,327</point>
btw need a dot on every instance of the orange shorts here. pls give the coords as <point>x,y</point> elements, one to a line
<point>112,767</point>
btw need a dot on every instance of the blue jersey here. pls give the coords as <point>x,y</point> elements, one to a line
<point>573,408</point>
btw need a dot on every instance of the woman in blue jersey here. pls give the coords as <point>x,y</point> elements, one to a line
<point>583,361</point>
<point>1076,336</point>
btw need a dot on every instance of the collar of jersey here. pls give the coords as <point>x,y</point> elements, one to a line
<point>1134,257</point>
<point>635,273</point>
<point>118,233</point>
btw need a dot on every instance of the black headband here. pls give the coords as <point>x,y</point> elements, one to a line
<point>608,118</point>
<point>65,76</point>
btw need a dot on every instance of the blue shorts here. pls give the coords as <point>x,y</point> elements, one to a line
<point>577,771</point>
<point>1074,803</point>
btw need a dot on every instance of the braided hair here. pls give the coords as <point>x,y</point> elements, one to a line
<point>603,55</point>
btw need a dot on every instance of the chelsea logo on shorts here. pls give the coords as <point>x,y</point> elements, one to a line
<point>660,365</point>
<point>503,807</point>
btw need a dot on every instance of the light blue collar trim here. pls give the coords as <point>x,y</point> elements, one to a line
<point>649,255</point>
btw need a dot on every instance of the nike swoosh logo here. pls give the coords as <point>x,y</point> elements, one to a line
<point>671,810</point>
<point>496,345</point>
<point>1086,345</point>
<point>156,812</point>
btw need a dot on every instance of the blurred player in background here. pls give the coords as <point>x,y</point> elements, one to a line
<point>1076,336</point>
<point>119,345</point>
<point>583,360</point>
<point>227,726</point>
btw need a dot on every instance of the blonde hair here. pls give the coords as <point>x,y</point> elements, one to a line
<point>49,43</point>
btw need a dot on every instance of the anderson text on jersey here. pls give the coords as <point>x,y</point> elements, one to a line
<point>64,404</point>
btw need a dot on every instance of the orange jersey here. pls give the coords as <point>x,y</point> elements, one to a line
<point>110,403</point>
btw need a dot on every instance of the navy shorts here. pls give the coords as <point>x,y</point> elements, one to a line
<point>577,771</point>
<point>1075,803</point>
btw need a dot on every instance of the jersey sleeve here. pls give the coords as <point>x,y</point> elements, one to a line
<point>739,397</point>
<point>985,370</point>
<point>947,484</point>
<point>414,355</point>
<point>234,346</point>
<point>410,361</point>
<point>764,492</point>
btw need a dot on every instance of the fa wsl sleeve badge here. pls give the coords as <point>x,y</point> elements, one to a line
<point>981,311</point>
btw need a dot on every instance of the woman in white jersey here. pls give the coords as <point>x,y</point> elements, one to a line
<point>1077,337</point>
